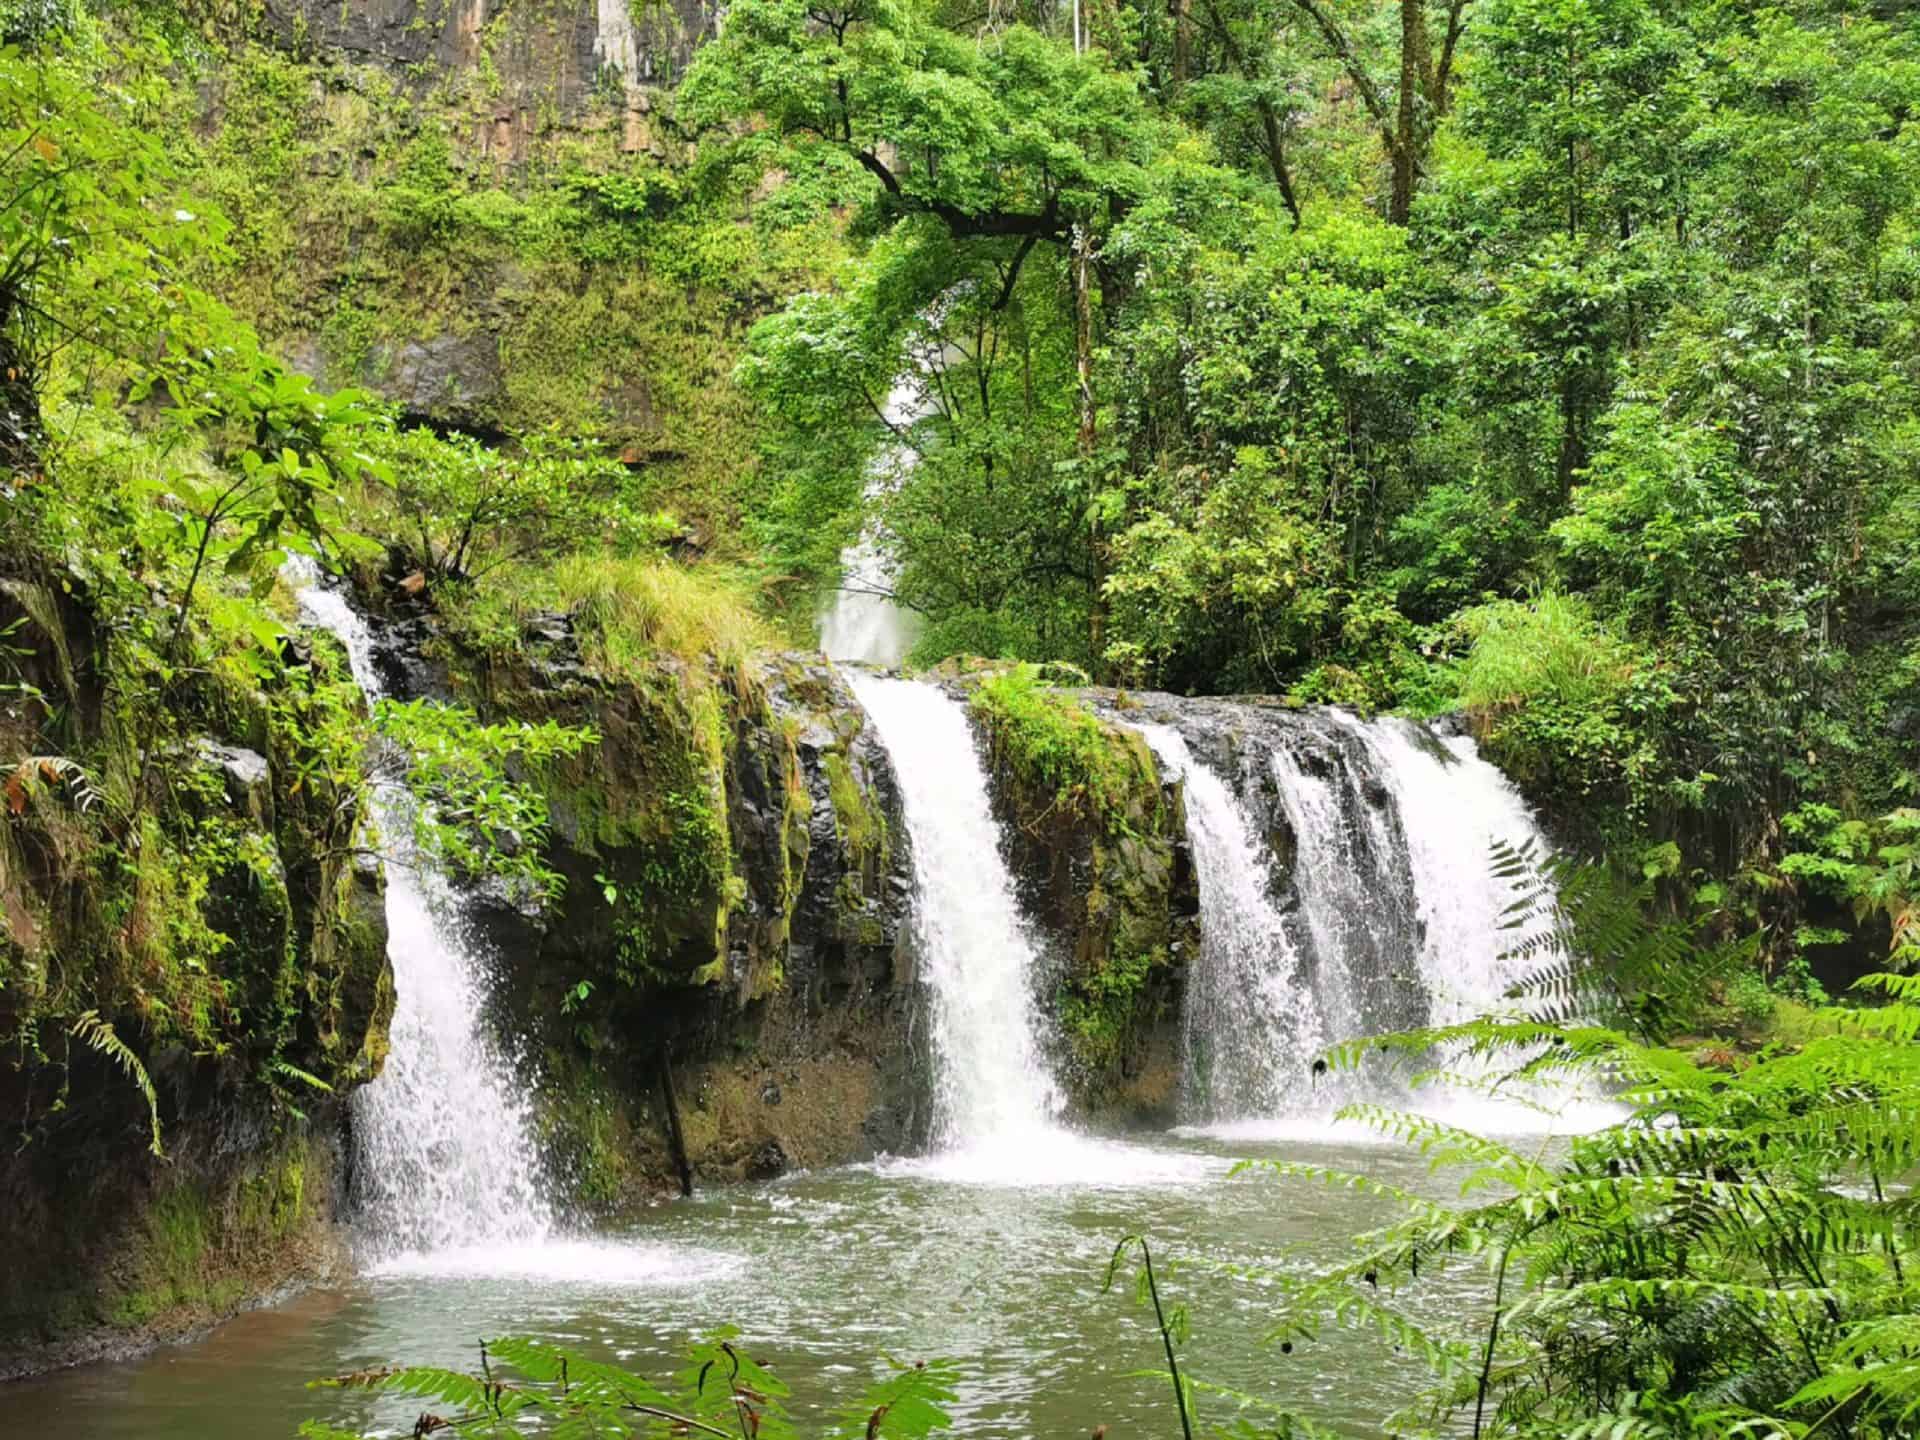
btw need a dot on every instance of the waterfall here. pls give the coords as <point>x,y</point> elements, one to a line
<point>1453,807</point>
<point>1384,915</point>
<point>993,1089</point>
<point>863,623</point>
<point>1357,904</point>
<point>1251,1026</point>
<point>443,1155</point>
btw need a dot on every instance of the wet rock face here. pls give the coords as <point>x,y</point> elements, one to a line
<point>571,52</point>
<point>737,888</point>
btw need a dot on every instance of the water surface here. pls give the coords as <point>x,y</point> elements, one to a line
<point>950,1256</point>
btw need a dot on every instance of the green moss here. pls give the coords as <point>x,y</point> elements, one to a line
<point>588,1133</point>
<point>1048,739</point>
<point>195,1247</point>
<point>1081,786</point>
<point>858,820</point>
<point>615,286</point>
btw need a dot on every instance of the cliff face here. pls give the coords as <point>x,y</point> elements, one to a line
<point>193,961</point>
<point>576,56</point>
<point>737,887</point>
<point>485,213</point>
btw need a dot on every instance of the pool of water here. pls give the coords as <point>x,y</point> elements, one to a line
<point>995,1259</point>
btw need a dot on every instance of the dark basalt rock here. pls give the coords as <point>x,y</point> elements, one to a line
<point>753,846</point>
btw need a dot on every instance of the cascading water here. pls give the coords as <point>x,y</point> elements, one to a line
<point>1388,913</point>
<point>997,1103</point>
<point>1356,903</point>
<point>443,1154</point>
<point>1454,807</point>
<point>864,624</point>
<point>993,1088</point>
<point>1251,1026</point>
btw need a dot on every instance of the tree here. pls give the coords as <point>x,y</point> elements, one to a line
<point>462,509</point>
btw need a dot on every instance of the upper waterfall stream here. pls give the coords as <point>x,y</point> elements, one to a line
<point>863,623</point>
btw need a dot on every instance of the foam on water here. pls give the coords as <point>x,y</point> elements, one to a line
<point>588,1263</point>
<point>1055,1159</point>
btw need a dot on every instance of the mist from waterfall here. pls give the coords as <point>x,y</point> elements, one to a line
<point>863,624</point>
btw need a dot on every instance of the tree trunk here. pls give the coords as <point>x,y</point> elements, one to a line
<point>1269,118</point>
<point>1410,124</point>
<point>1182,42</point>
<point>676,1137</point>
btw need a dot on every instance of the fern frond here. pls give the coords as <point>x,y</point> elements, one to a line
<point>98,1034</point>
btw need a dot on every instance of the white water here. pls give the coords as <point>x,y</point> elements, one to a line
<point>1394,906</point>
<point>1252,1026</point>
<point>1454,807</point>
<point>997,1103</point>
<point>864,624</point>
<point>443,1156</point>
<point>993,1092</point>
<point>1454,810</point>
<point>1343,904</point>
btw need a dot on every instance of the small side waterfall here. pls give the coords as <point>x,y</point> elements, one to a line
<point>1251,1025</point>
<point>1380,911</point>
<point>443,1151</point>
<point>1453,807</point>
<point>993,1089</point>
<point>1357,908</point>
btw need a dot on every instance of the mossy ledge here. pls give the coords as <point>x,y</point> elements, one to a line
<point>1097,844</point>
<point>192,960</point>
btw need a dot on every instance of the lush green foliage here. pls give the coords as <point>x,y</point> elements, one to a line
<point>1571,384</point>
<point>461,509</point>
<point>473,818</point>
<point>1049,740</point>
<point>185,776</point>
<point>528,1387</point>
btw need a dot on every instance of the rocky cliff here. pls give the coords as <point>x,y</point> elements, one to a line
<point>732,932</point>
<point>192,975</point>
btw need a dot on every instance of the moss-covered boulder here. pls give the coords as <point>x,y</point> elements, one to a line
<point>1098,848</point>
<point>736,885</point>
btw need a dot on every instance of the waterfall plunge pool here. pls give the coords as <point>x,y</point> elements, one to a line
<point>823,1273</point>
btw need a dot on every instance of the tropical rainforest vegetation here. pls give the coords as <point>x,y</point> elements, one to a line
<point>1550,361</point>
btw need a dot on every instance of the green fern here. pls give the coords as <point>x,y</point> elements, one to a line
<point>99,1035</point>
<point>1733,1259</point>
<point>526,1387</point>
